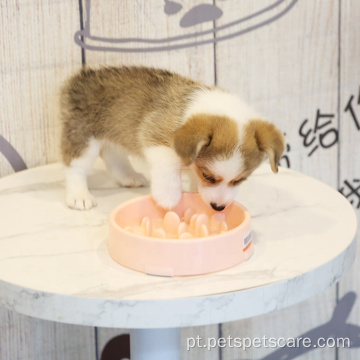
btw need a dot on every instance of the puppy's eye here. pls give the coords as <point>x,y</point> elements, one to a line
<point>209,178</point>
<point>237,182</point>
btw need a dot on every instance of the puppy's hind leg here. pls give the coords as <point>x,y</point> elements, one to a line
<point>77,193</point>
<point>119,167</point>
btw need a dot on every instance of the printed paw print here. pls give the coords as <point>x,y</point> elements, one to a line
<point>196,15</point>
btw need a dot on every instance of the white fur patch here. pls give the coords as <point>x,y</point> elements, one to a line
<point>222,194</point>
<point>228,169</point>
<point>165,175</point>
<point>218,102</point>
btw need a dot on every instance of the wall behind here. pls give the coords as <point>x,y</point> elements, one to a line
<point>296,61</point>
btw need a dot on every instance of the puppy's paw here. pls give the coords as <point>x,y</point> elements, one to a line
<point>80,202</point>
<point>132,180</point>
<point>167,197</point>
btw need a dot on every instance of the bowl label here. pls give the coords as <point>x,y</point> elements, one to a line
<point>247,240</point>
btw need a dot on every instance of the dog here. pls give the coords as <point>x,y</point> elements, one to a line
<point>168,120</point>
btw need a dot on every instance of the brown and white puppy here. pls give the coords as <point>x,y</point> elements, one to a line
<point>168,120</point>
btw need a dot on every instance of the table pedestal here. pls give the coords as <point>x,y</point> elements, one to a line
<point>155,344</point>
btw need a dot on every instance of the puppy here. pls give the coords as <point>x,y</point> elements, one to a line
<point>168,120</point>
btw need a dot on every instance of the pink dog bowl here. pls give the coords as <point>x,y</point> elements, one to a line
<point>178,257</point>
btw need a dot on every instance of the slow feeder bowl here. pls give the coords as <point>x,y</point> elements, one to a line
<point>178,257</point>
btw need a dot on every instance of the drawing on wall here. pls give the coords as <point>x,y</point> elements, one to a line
<point>336,328</point>
<point>350,108</point>
<point>188,18</point>
<point>285,158</point>
<point>351,190</point>
<point>326,138</point>
<point>11,155</point>
<point>172,7</point>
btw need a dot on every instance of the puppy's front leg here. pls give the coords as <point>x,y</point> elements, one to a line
<point>165,173</point>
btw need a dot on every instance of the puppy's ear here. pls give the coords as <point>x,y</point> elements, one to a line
<point>270,140</point>
<point>191,137</point>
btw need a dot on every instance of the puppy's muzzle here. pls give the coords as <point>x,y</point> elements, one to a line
<point>217,207</point>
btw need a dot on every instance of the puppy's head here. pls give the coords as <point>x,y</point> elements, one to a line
<point>223,154</point>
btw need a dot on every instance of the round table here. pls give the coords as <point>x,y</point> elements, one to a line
<point>54,262</point>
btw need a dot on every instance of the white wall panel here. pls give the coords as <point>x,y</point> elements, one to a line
<point>350,150</point>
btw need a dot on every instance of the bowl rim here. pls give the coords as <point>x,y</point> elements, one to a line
<point>116,226</point>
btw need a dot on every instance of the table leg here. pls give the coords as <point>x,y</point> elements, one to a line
<point>155,344</point>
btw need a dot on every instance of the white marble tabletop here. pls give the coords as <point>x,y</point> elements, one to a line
<point>54,262</point>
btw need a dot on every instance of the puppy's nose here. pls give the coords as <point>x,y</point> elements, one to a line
<point>217,207</point>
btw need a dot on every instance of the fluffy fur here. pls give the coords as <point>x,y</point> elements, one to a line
<point>168,120</point>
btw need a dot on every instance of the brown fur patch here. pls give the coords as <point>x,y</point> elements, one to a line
<point>205,137</point>
<point>262,139</point>
<point>123,105</point>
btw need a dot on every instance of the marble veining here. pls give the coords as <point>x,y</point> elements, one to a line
<point>54,262</point>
